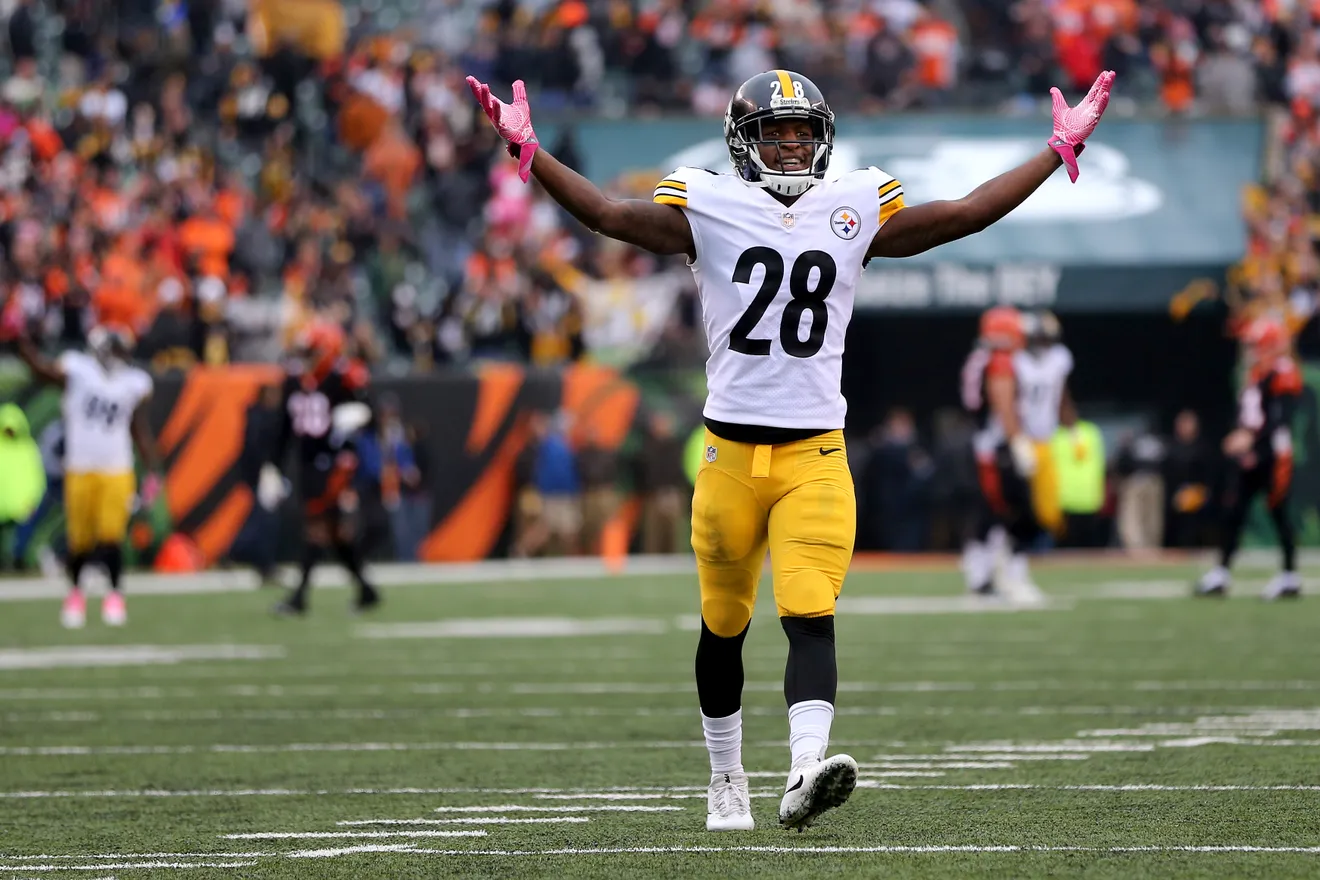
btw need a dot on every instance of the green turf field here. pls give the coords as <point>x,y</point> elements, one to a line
<point>1122,731</point>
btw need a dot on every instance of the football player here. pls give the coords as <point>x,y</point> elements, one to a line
<point>1260,457</point>
<point>776,249</point>
<point>104,407</point>
<point>1042,369</point>
<point>1006,456</point>
<point>324,406</point>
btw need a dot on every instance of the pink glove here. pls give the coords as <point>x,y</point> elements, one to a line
<point>512,121</point>
<point>150,489</point>
<point>1073,125</point>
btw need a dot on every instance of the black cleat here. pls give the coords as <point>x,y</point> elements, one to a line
<point>368,599</point>
<point>290,608</point>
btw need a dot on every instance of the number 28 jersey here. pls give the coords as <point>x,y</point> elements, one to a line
<point>777,285</point>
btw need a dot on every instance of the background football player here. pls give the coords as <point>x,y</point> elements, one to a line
<point>776,250</point>
<point>1042,369</point>
<point>324,406</point>
<point>1006,458</point>
<point>1260,457</point>
<point>104,407</point>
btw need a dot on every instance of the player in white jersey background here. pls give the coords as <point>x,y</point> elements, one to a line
<point>1042,369</point>
<point>104,418</point>
<point>776,249</point>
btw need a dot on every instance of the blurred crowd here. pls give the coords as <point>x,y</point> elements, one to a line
<point>1119,487</point>
<point>210,174</point>
<point>214,175</point>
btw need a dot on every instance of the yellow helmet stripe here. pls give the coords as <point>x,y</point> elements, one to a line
<point>785,83</point>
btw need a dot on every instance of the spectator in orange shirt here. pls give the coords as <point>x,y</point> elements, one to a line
<point>934,42</point>
<point>209,240</point>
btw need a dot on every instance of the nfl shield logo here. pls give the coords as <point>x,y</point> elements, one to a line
<point>710,453</point>
<point>789,220</point>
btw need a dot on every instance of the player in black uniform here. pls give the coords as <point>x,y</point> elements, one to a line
<point>1260,457</point>
<point>324,405</point>
<point>1005,459</point>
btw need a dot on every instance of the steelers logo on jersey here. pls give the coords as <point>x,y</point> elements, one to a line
<point>846,223</point>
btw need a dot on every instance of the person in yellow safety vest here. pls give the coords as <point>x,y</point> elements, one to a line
<point>22,476</point>
<point>1079,457</point>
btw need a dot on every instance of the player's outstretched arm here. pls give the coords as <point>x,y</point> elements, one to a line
<point>42,367</point>
<point>919,228</point>
<point>660,229</point>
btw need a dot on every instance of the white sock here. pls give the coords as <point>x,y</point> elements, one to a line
<point>724,742</point>
<point>1215,577</point>
<point>809,729</point>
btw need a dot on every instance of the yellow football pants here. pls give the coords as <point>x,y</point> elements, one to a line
<point>797,500</point>
<point>1045,490</point>
<point>97,508</point>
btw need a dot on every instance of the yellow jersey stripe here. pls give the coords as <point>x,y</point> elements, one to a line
<point>889,187</point>
<point>672,184</point>
<point>891,207</point>
<point>785,83</point>
<point>664,199</point>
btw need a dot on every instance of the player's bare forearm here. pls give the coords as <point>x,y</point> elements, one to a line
<point>919,228</point>
<point>1002,391</point>
<point>146,444</point>
<point>43,368</point>
<point>660,229</point>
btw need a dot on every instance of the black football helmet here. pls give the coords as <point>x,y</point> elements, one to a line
<point>1044,329</point>
<point>109,344</point>
<point>778,94</point>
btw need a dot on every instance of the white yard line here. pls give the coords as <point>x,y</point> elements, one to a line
<point>927,849</point>
<point>386,575</point>
<point>472,820</point>
<point>585,808</point>
<point>92,656</point>
<point>332,835</point>
<point>127,866</point>
<point>1128,787</point>
<point>335,852</point>
<point>140,856</point>
<point>647,793</point>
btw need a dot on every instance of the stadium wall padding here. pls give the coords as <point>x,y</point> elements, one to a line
<point>474,425</point>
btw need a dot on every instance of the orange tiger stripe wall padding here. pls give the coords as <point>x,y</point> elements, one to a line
<point>474,426</point>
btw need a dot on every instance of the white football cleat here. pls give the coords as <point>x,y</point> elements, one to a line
<point>1018,585</point>
<point>73,613</point>
<point>814,787</point>
<point>1214,582</point>
<point>728,803</point>
<point>1284,585</point>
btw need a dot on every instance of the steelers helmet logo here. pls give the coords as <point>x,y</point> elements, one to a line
<point>846,223</point>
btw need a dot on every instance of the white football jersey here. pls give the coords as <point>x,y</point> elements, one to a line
<point>777,285</point>
<point>98,413</point>
<point>1041,378</point>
